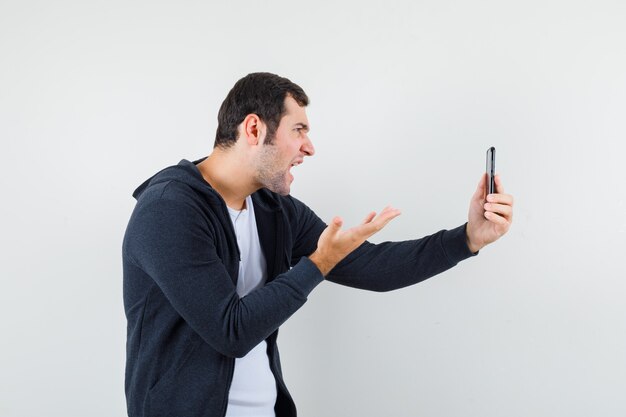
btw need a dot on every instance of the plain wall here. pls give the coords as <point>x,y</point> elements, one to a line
<point>406,96</point>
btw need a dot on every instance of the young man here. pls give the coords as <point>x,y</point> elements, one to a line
<point>217,255</point>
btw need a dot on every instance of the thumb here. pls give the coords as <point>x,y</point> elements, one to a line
<point>481,193</point>
<point>335,224</point>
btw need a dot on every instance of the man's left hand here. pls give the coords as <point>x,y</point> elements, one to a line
<point>490,219</point>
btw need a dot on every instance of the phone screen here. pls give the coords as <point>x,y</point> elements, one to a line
<point>491,170</point>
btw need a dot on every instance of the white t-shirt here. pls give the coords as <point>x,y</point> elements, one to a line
<point>253,390</point>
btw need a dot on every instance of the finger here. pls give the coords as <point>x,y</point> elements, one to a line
<point>388,213</point>
<point>385,216</point>
<point>495,218</point>
<point>501,199</point>
<point>501,209</point>
<point>369,217</point>
<point>372,215</point>
<point>380,213</point>
<point>378,223</point>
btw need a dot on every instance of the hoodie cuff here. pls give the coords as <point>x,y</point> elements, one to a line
<point>309,276</point>
<point>455,244</point>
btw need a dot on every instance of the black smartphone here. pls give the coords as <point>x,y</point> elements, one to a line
<point>491,170</point>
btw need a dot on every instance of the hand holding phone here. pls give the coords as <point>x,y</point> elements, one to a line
<point>488,220</point>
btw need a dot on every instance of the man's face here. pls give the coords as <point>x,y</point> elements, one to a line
<point>290,144</point>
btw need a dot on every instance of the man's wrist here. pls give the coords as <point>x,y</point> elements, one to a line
<point>472,246</point>
<point>321,264</point>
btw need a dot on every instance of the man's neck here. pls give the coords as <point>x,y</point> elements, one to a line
<point>228,176</point>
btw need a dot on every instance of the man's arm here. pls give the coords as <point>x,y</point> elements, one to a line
<point>376,267</point>
<point>392,265</point>
<point>389,266</point>
<point>172,243</point>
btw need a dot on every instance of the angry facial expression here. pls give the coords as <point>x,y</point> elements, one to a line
<point>289,145</point>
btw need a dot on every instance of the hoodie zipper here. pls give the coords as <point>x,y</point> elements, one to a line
<point>276,269</point>
<point>231,371</point>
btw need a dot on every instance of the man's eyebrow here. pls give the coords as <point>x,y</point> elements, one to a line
<point>304,125</point>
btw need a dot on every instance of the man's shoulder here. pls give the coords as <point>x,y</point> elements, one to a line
<point>173,195</point>
<point>167,190</point>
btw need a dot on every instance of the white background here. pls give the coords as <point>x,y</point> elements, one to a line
<point>406,96</point>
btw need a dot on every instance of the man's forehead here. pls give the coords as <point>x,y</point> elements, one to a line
<point>294,112</point>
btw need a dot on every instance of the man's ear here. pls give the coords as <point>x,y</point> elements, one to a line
<point>253,129</point>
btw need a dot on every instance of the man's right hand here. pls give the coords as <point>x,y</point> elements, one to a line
<point>335,244</point>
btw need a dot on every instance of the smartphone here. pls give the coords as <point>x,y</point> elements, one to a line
<point>491,170</point>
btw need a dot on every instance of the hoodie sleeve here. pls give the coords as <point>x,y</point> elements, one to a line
<point>171,242</point>
<point>392,265</point>
<point>386,266</point>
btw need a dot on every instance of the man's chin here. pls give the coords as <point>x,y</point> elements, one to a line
<point>282,189</point>
<point>280,184</point>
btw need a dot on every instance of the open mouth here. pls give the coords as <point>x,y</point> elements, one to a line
<point>295,164</point>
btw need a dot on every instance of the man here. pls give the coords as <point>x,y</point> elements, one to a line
<point>217,255</point>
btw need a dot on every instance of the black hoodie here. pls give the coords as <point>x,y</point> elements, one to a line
<point>186,323</point>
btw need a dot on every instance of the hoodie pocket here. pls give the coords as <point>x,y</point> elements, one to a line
<point>162,399</point>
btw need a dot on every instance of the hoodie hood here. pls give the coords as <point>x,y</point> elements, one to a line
<point>185,172</point>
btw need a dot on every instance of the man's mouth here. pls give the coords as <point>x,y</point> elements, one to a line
<point>294,164</point>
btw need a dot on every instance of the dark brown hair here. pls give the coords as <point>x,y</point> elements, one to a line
<point>261,93</point>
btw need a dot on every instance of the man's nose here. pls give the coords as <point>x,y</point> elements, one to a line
<point>307,147</point>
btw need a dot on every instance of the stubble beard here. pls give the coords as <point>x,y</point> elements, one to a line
<point>269,172</point>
